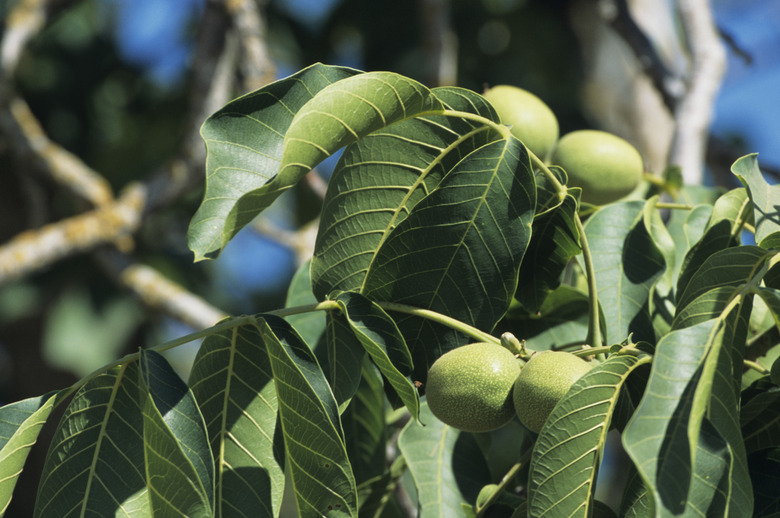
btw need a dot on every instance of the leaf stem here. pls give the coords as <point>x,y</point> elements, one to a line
<point>750,364</point>
<point>673,206</point>
<point>441,319</point>
<point>510,475</point>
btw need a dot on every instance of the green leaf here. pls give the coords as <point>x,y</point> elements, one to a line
<point>365,432</point>
<point>380,178</point>
<point>627,264</point>
<point>245,141</point>
<point>567,454</point>
<point>20,424</point>
<point>765,472</point>
<point>344,359</point>
<point>447,466</point>
<point>554,241</point>
<point>232,382</point>
<point>384,343</point>
<point>684,437</point>
<point>722,232</point>
<point>636,501</point>
<point>724,268</point>
<point>314,441</point>
<point>179,465</point>
<point>760,416</point>
<point>765,197</point>
<point>459,250</point>
<point>95,462</point>
<point>310,325</point>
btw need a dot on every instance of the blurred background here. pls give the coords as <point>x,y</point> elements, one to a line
<point>101,166</point>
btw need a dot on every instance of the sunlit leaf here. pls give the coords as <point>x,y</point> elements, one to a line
<point>320,471</point>
<point>459,250</point>
<point>447,466</point>
<point>384,343</point>
<point>20,424</point>
<point>627,264</point>
<point>179,465</point>
<point>245,142</point>
<point>95,463</point>
<point>233,385</point>
<point>765,197</point>
<point>567,454</point>
<point>380,179</point>
<point>689,462</point>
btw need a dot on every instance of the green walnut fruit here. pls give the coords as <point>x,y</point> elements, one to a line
<point>604,165</point>
<point>470,388</point>
<point>528,117</point>
<point>542,382</point>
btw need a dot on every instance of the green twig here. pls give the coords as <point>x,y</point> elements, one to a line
<point>441,319</point>
<point>510,475</point>
<point>755,366</point>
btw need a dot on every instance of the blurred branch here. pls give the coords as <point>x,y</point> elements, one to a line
<point>23,23</point>
<point>694,112</point>
<point>668,85</point>
<point>257,67</point>
<point>439,43</point>
<point>159,292</point>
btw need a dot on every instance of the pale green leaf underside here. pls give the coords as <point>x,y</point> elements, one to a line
<point>567,454</point>
<point>447,466</point>
<point>765,197</point>
<point>20,424</point>
<point>233,384</point>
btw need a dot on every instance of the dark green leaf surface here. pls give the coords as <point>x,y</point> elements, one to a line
<point>765,197</point>
<point>233,384</point>
<point>344,359</point>
<point>724,268</point>
<point>636,501</point>
<point>760,416</point>
<point>627,264</point>
<point>384,343</point>
<point>554,241</point>
<point>365,433</point>
<point>567,454</point>
<point>380,179</point>
<point>447,466</point>
<point>721,232</point>
<point>765,471</point>
<point>95,464</point>
<point>314,441</point>
<point>459,250</point>
<point>179,465</point>
<point>245,142</point>
<point>20,424</point>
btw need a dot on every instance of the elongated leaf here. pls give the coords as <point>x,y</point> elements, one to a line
<point>554,241</point>
<point>233,384</point>
<point>365,432</point>
<point>460,249</point>
<point>765,197</point>
<point>380,179</point>
<point>765,470</point>
<point>321,473</point>
<point>382,340</point>
<point>179,465</point>
<point>636,502</point>
<point>627,264</point>
<point>689,463</point>
<point>725,268</point>
<point>722,231</point>
<point>344,359</point>
<point>95,464</point>
<point>447,466</point>
<point>567,454</point>
<point>760,416</point>
<point>245,142</point>
<point>20,424</point>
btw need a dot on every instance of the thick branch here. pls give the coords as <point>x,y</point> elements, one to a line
<point>694,112</point>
